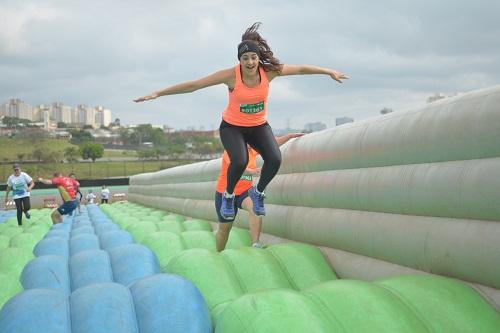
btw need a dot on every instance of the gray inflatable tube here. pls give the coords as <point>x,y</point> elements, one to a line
<point>411,191</point>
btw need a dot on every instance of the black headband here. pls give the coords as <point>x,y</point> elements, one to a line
<point>248,46</point>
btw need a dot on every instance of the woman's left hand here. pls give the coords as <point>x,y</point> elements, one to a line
<point>146,98</point>
<point>295,135</point>
<point>338,76</point>
<point>255,171</point>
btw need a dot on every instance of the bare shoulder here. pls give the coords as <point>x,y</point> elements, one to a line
<point>229,76</point>
<point>226,73</point>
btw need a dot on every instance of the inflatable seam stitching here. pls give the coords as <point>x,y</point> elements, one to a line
<point>243,287</point>
<point>284,270</point>
<point>410,306</point>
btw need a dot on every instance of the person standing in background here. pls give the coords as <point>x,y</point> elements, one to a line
<point>104,194</point>
<point>90,197</point>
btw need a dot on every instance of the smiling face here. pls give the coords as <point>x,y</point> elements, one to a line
<point>249,62</point>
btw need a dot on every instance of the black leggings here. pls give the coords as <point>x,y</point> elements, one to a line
<point>261,138</point>
<point>22,204</point>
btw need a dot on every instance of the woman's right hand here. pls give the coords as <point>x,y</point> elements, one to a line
<point>146,98</point>
<point>255,171</point>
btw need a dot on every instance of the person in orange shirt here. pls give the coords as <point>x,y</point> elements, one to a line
<point>244,121</point>
<point>241,199</point>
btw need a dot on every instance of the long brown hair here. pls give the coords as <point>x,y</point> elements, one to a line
<point>267,59</point>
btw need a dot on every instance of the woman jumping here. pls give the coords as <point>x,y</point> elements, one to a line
<point>244,121</point>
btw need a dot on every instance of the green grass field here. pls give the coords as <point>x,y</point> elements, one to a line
<point>91,170</point>
<point>119,153</point>
<point>10,149</point>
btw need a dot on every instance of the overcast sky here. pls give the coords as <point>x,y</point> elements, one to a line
<point>397,54</point>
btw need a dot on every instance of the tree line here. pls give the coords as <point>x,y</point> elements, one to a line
<point>86,150</point>
<point>168,144</point>
<point>149,142</point>
<point>153,143</point>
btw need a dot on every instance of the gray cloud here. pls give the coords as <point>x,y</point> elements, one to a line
<point>109,52</point>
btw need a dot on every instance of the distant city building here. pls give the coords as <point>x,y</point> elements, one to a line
<point>343,120</point>
<point>102,116</point>
<point>85,115</point>
<point>58,112</point>
<point>435,97</point>
<point>17,108</point>
<point>386,111</point>
<point>42,114</point>
<point>61,113</point>
<point>89,116</point>
<point>78,116</point>
<point>38,113</point>
<point>3,109</point>
<point>46,119</point>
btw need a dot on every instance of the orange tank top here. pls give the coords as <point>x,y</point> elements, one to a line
<point>245,181</point>
<point>247,106</point>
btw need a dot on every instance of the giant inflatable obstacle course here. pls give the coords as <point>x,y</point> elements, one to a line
<point>389,224</point>
<point>416,191</point>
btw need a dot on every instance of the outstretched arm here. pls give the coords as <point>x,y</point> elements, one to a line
<point>281,140</point>
<point>223,76</point>
<point>308,69</point>
<point>45,181</point>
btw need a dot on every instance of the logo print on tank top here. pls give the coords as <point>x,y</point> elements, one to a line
<point>252,108</point>
<point>246,177</point>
